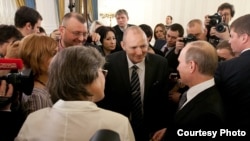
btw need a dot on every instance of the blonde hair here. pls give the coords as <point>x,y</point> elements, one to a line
<point>34,50</point>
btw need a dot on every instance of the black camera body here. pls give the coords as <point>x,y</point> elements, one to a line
<point>23,82</point>
<point>216,21</point>
<point>189,38</point>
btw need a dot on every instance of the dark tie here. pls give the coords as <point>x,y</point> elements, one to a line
<point>165,50</point>
<point>183,99</point>
<point>136,103</point>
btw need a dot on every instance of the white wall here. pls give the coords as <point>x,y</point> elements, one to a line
<point>148,12</point>
<point>153,12</point>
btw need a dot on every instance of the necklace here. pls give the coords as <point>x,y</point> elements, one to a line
<point>39,81</point>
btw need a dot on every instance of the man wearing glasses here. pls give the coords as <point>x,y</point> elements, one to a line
<point>74,31</point>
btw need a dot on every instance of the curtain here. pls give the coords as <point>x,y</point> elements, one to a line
<point>7,10</point>
<point>60,8</point>
<point>95,9</point>
<point>20,3</point>
<point>79,6</point>
<point>30,3</point>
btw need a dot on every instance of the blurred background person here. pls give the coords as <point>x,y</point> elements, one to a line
<point>108,39</point>
<point>149,33</point>
<point>122,19</point>
<point>27,20</point>
<point>224,51</point>
<point>169,21</point>
<point>74,91</point>
<point>36,51</point>
<point>42,31</point>
<point>160,32</point>
<point>8,35</point>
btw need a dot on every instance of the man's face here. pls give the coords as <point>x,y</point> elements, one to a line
<point>171,37</point>
<point>198,31</point>
<point>224,54</point>
<point>122,20</point>
<point>73,33</point>
<point>226,15</point>
<point>183,67</point>
<point>136,46</point>
<point>36,27</point>
<point>235,41</point>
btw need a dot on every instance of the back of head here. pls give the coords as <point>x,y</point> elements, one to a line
<point>34,50</point>
<point>71,70</point>
<point>147,29</point>
<point>241,25</point>
<point>204,55</point>
<point>8,32</point>
<point>26,15</point>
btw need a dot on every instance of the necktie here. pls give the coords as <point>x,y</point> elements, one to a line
<point>165,50</point>
<point>136,103</point>
<point>183,99</point>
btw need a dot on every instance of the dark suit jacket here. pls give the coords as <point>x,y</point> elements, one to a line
<point>205,111</point>
<point>159,44</point>
<point>119,36</point>
<point>117,88</point>
<point>233,80</point>
<point>172,60</point>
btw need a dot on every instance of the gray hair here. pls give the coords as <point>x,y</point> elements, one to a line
<point>71,70</point>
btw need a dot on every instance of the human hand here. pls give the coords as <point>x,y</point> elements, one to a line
<point>13,50</point>
<point>179,45</point>
<point>95,37</point>
<point>158,135</point>
<point>221,35</point>
<point>56,35</point>
<point>6,91</point>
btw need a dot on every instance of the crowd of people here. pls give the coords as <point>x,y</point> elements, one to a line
<point>86,80</point>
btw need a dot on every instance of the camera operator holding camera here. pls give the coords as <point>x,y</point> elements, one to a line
<point>218,23</point>
<point>195,31</point>
<point>11,121</point>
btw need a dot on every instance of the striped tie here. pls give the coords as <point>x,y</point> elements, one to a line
<point>136,103</point>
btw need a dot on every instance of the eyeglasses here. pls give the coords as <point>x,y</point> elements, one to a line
<point>77,33</point>
<point>105,72</point>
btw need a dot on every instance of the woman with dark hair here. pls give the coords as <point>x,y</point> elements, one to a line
<point>107,39</point>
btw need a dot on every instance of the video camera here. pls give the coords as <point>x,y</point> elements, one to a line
<point>216,21</point>
<point>23,81</point>
<point>189,38</point>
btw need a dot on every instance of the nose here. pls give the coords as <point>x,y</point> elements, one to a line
<point>138,51</point>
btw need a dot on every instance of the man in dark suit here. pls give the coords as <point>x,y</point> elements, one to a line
<point>122,23</point>
<point>233,76</point>
<point>153,76</point>
<point>202,108</point>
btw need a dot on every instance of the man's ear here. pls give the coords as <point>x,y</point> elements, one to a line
<point>122,45</point>
<point>28,26</point>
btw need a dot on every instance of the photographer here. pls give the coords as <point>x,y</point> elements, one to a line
<point>219,30</point>
<point>11,121</point>
<point>195,28</point>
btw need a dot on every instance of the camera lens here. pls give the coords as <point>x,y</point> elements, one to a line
<point>220,28</point>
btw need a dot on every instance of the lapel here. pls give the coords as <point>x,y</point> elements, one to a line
<point>149,71</point>
<point>123,70</point>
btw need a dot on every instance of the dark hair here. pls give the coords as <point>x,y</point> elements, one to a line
<point>241,25</point>
<point>9,31</point>
<point>226,45</point>
<point>26,14</point>
<point>68,80</point>
<point>42,30</point>
<point>177,27</point>
<point>103,30</point>
<point>147,29</point>
<point>227,6</point>
<point>170,17</point>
